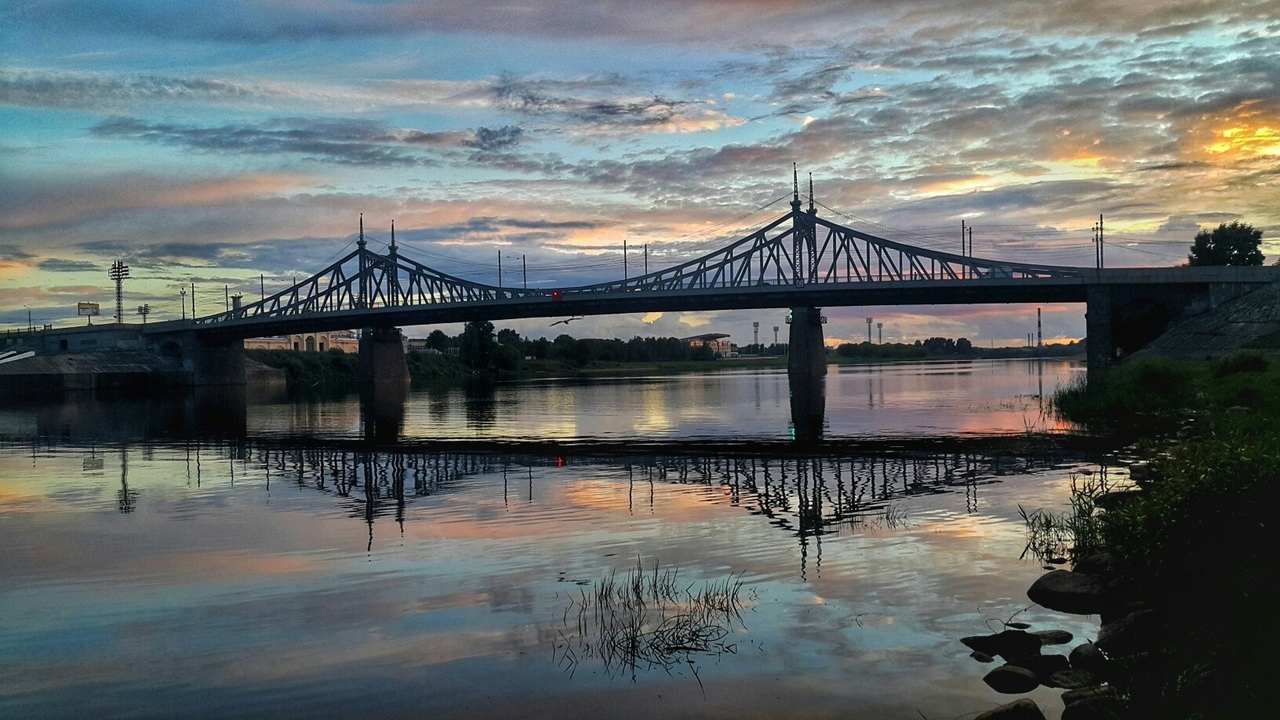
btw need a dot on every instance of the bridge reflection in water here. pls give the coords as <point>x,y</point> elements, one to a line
<point>804,493</point>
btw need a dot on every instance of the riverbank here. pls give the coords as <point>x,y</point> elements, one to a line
<point>1178,561</point>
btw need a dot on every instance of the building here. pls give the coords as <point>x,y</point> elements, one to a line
<point>342,340</point>
<point>716,341</point>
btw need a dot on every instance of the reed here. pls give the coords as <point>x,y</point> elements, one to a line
<point>648,619</point>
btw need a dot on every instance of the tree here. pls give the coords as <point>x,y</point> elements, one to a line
<point>1233,243</point>
<point>437,340</point>
<point>476,345</point>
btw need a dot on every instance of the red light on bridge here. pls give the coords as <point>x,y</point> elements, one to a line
<point>556,296</point>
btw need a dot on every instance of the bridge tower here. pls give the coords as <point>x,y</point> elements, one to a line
<point>806,354</point>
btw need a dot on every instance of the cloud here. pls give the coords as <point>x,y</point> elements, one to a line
<point>701,21</point>
<point>58,265</point>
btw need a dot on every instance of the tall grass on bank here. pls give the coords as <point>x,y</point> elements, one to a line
<point>1196,544</point>
<point>649,619</point>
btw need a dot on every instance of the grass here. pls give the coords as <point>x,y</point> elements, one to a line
<point>648,619</point>
<point>1197,545</point>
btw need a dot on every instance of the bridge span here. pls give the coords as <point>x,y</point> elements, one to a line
<point>799,261</point>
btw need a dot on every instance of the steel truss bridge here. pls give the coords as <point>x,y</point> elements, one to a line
<point>797,260</point>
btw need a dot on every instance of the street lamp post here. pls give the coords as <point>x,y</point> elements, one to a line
<point>183,302</point>
<point>29,325</point>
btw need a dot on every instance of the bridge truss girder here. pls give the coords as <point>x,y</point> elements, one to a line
<point>798,251</point>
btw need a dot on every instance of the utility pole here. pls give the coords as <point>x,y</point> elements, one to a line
<point>869,331</point>
<point>193,301</point>
<point>524,272</point>
<point>624,259</point>
<point>1097,242</point>
<point>226,297</point>
<point>964,269</point>
<point>499,268</point>
<point>646,258</point>
<point>29,325</point>
<point>262,279</point>
<point>118,272</point>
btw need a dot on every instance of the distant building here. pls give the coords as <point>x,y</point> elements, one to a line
<point>716,341</point>
<point>343,340</point>
<point>419,345</point>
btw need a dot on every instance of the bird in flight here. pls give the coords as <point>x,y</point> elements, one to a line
<point>566,321</point>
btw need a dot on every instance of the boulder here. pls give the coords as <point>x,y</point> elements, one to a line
<point>1072,679</point>
<point>1133,633</point>
<point>1007,644</point>
<point>1053,637</point>
<point>1020,709</point>
<point>1095,564</point>
<point>1088,657</point>
<point>1094,703</point>
<point>981,657</point>
<point>1011,679</point>
<point>1044,666</point>
<point>1070,592</point>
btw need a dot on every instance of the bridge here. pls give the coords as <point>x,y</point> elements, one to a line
<point>799,261</point>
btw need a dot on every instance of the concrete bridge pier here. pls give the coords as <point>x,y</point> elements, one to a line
<point>211,360</point>
<point>384,383</point>
<point>1100,350</point>
<point>806,353</point>
<point>808,407</point>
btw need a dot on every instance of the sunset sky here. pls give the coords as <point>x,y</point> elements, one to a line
<point>211,142</point>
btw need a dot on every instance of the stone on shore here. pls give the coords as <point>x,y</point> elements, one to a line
<point>1053,637</point>
<point>1088,657</point>
<point>1093,703</point>
<point>1133,633</point>
<point>1021,709</point>
<point>1069,592</point>
<point>1011,680</point>
<point>1007,644</point>
<point>1044,666</point>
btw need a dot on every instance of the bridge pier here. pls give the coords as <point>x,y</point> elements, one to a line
<point>806,353</point>
<point>1100,346</point>
<point>382,361</point>
<point>211,360</point>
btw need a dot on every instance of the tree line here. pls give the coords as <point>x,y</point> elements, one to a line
<point>481,349</point>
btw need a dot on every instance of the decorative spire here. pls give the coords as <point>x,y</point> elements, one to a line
<point>812,209</point>
<point>393,236</point>
<point>361,242</point>
<point>795,189</point>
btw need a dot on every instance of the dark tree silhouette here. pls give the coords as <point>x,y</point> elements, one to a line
<point>1233,243</point>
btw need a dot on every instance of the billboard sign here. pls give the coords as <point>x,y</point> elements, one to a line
<point>87,309</point>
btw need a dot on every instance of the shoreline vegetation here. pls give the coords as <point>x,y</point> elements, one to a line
<point>1177,561</point>
<point>481,354</point>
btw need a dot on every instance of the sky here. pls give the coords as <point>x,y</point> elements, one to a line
<point>235,144</point>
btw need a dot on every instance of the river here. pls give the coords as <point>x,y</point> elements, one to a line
<point>818,554</point>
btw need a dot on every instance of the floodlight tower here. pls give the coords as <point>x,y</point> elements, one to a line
<point>869,330</point>
<point>755,331</point>
<point>118,272</point>
<point>880,332</point>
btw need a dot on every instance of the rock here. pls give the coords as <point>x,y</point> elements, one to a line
<point>1017,625</point>
<point>1088,657</point>
<point>981,657</point>
<point>1095,703</point>
<point>1053,637</point>
<point>1070,592</point>
<point>1006,644</point>
<point>1096,564</point>
<point>1117,498</point>
<point>1021,709</point>
<point>1044,666</point>
<point>1072,679</point>
<point>1011,679</point>
<point>1133,633</point>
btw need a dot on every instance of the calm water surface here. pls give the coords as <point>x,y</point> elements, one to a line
<point>274,562</point>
